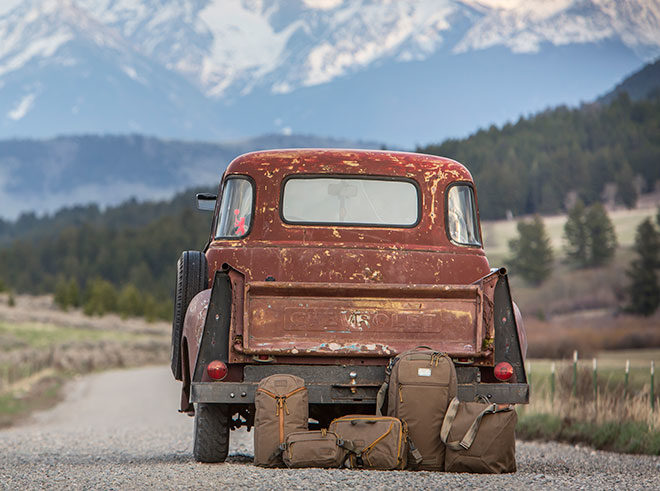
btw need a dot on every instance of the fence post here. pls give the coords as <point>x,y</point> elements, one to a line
<point>652,391</point>
<point>552,382</point>
<point>596,385</point>
<point>625,380</point>
<point>575,361</point>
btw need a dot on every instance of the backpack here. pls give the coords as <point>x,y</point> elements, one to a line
<point>420,384</point>
<point>480,437</point>
<point>281,408</point>
<point>318,448</point>
<point>373,442</point>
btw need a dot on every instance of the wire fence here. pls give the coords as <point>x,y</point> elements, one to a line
<point>582,389</point>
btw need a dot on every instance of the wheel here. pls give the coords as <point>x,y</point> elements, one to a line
<point>211,437</point>
<point>191,278</point>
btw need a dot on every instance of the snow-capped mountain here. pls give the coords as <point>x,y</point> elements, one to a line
<point>231,68</point>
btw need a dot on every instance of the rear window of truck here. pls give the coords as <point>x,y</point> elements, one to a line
<point>350,201</point>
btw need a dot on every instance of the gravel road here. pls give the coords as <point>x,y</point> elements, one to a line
<point>120,430</point>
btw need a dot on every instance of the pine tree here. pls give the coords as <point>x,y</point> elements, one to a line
<point>61,294</point>
<point>531,253</point>
<point>626,192</point>
<point>73,293</point>
<point>602,238</point>
<point>101,298</point>
<point>130,302</point>
<point>575,234</point>
<point>589,234</point>
<point>644,289</point>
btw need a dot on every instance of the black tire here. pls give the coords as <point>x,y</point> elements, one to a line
<point>191,278</point>
<point>211,434</point>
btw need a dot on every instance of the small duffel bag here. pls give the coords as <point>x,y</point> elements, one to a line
<point>479,437</point>
<point>374,442</point>
<point>317,448</point>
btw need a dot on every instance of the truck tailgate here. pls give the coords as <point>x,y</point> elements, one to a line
<point>365,320</point>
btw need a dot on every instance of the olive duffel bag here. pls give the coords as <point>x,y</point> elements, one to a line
<point>317,448</point>
<point>374,442</point>
<point>479,437</point>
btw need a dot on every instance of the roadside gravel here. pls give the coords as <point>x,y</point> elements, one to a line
<point>120,430</point>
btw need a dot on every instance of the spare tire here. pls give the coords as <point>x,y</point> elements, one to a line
<point>191,278</point>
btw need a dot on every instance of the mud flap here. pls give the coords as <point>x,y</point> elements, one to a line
<point>214,344</point>
<point>507,344</point>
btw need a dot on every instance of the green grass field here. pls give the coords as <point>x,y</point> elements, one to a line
<point>497,234</point>
<point>37,335</point>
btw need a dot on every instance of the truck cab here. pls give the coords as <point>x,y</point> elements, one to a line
<point>327,263</point>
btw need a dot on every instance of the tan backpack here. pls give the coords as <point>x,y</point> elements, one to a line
<point>420,384</point>
<point>281,408</point>
<point>480,437</point>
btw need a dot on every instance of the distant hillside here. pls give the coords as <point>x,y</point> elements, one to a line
<point>46,175</point>
<point>536,164</point>
<point>639,85</point>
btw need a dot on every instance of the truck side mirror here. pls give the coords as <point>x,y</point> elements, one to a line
<point>206,201</point>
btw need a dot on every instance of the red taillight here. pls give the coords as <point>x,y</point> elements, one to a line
<point>503,371</point>
<point>217,370</point>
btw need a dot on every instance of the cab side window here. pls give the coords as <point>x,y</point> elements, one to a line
<point>235,214</point>
<point>461,218</point>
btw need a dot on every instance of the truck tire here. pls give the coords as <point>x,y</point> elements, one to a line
<point>191,278</point>
<point>211,438</point>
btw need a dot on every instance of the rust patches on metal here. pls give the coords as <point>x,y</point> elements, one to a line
<point>375,319</point>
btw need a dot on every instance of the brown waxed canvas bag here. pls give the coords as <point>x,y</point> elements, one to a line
<point>318,448</point>
<point>281,408</point>
<point>420,385</point>
<point>480,438</point>
<point>376,442</point>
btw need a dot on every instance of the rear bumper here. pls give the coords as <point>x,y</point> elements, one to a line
<point>333,385</point>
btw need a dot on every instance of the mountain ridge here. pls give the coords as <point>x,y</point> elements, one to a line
<point>212,69</point>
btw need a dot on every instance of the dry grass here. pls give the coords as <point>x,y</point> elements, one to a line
<point>614,416</point>
<point>589,333</point>
<point>607,404</point>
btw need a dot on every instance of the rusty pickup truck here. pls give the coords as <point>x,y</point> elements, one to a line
<point>325,264</point>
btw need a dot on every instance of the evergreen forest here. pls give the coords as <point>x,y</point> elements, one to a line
<point>536,164</point>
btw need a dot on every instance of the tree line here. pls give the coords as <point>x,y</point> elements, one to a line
<point>107,268</point>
